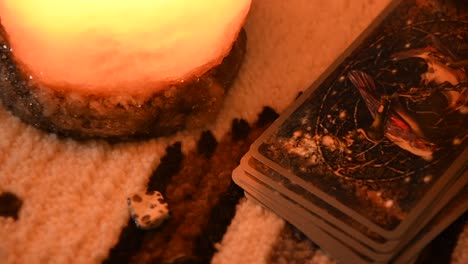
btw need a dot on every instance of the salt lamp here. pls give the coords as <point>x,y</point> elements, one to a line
<point>119,68</point>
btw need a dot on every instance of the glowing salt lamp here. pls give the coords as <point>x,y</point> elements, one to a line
<point>119,68</point>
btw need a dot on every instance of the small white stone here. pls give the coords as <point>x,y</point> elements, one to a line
<point>148,210</point>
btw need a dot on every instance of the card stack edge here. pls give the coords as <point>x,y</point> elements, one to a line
<point>405,252</point>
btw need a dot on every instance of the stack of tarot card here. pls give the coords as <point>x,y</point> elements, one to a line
<point>371,161</point>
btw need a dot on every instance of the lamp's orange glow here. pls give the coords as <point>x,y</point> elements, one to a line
<point>116,46</point>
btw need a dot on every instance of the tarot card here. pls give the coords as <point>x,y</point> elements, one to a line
<point>456,208</point>
<point>343,222</point>
<point>287,208</point>
<point>385,129</point>
<point>329,213</point>
<point>337,231</point>
<point>324,240</point>
<point>256,188</point>
<point>327,242</point>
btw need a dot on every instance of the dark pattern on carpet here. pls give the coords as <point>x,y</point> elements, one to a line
<point>439,251</point>
<point>201,195</point>
<point>131,237</point>
<point>10,204</point>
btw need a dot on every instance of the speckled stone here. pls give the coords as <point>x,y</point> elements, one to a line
<point>148,210</point>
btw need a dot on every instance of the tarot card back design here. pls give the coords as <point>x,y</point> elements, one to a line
<point>312,217</point>
<point>455,209</point>
<point>293,215</point>
<point>312,203</point>
<point>386,128</point>
<point>341,221</point>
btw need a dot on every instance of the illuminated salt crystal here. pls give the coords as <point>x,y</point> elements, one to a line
<point>175,40</point>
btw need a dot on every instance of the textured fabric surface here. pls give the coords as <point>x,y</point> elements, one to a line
<point>460,253</point>
<point>74,193</point>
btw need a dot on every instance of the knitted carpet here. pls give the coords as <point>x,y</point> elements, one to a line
<point>64,201</point>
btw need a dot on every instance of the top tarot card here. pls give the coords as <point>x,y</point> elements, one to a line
<point>385,129</point>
